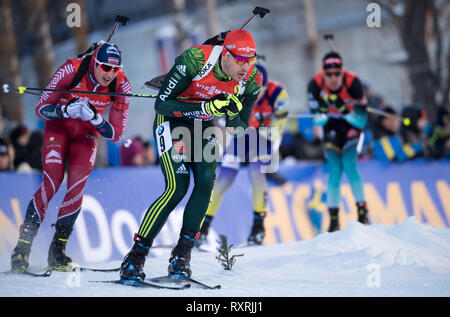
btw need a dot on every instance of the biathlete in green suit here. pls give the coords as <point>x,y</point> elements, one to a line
<point>206,81</point>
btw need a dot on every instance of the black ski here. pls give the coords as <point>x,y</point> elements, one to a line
<point>82,269</point>
<point>191,280</point>
<point>25,272</point>
<point>144,284</point>
<point>117,269</point>
<point>184,281</point>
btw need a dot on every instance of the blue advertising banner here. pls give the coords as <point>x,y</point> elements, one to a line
<point>116,199</point>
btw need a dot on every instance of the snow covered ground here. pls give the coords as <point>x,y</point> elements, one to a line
<point>408,259</point>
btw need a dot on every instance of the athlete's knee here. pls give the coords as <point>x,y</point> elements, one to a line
<point>42,197</point>
<point>51,183</point>
<point>179,193</point>
<point>205,181</point>
<point>175,191</point>
<point>225,178</point>
<point>74,196</point>
<point>350,166</point>
<point>255,174</point>
<point>335,176</point>
<point>335,170</point>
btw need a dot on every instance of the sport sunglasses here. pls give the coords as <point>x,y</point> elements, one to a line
<point>337,74</point>
<point>242,59</point>
<point>108,67</point>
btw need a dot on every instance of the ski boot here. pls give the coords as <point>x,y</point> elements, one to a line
<point>132,268</point>
<point>57,259</point>
<point>257,233</point>
<point>180,258</point>
<point>204,231</point>
<point>334,219</point>
<point>362,212</point>
<point>21,253</point>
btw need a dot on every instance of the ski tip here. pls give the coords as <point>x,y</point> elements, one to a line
<point>26,272</point>
<point>185,286</point>
<point>210,287</point>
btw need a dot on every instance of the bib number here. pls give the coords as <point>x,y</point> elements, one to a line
<point>163,138</point>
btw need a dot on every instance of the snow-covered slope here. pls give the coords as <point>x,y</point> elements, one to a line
<point>409,259</point>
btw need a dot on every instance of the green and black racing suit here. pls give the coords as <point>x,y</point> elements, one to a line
<point>180,152</point>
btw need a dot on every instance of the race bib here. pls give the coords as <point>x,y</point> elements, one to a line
<point>163,137</point>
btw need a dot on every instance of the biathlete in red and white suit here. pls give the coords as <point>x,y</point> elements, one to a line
<point>73,122</point>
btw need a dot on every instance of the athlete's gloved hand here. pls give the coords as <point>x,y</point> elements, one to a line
<point>357,118</point>
<point>90,113</point>
<point>71,110</point>
<point>320,119</point>
<point>234,107</point>
<point>216,106</point>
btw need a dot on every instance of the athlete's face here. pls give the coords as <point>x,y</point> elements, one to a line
<point>104,77</point>
<point>237,71</point>
<point>333,78</point>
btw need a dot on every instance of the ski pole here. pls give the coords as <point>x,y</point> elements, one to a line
<point>330,40</point>
<point>30,90</point>
<point>157,81</point>
<point>257,11</point>
<point>7,89</point>
<point>22,89</point>
<point>120,19</point>
<point>405,120</point>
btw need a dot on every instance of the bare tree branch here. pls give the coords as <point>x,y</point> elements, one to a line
<point>11,105</point>
<point>446,94</point>
<point>438,36</point>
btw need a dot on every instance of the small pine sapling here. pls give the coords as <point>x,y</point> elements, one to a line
<point>225,258</point>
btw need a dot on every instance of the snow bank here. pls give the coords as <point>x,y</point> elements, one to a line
<point>409,259</point>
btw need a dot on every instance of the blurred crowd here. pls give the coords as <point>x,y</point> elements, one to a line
<point>139,152</point>
<point>21,151</point>
<point>396,136</point>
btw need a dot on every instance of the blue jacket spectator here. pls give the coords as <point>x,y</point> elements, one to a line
<point>388,144</point>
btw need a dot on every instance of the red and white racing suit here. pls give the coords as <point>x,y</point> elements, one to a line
<point>73,139</point>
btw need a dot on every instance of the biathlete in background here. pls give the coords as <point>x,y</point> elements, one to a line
<point>225,78</point>
<point>73,122</point>
<point>268,119</point>
<point>337,99</point>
